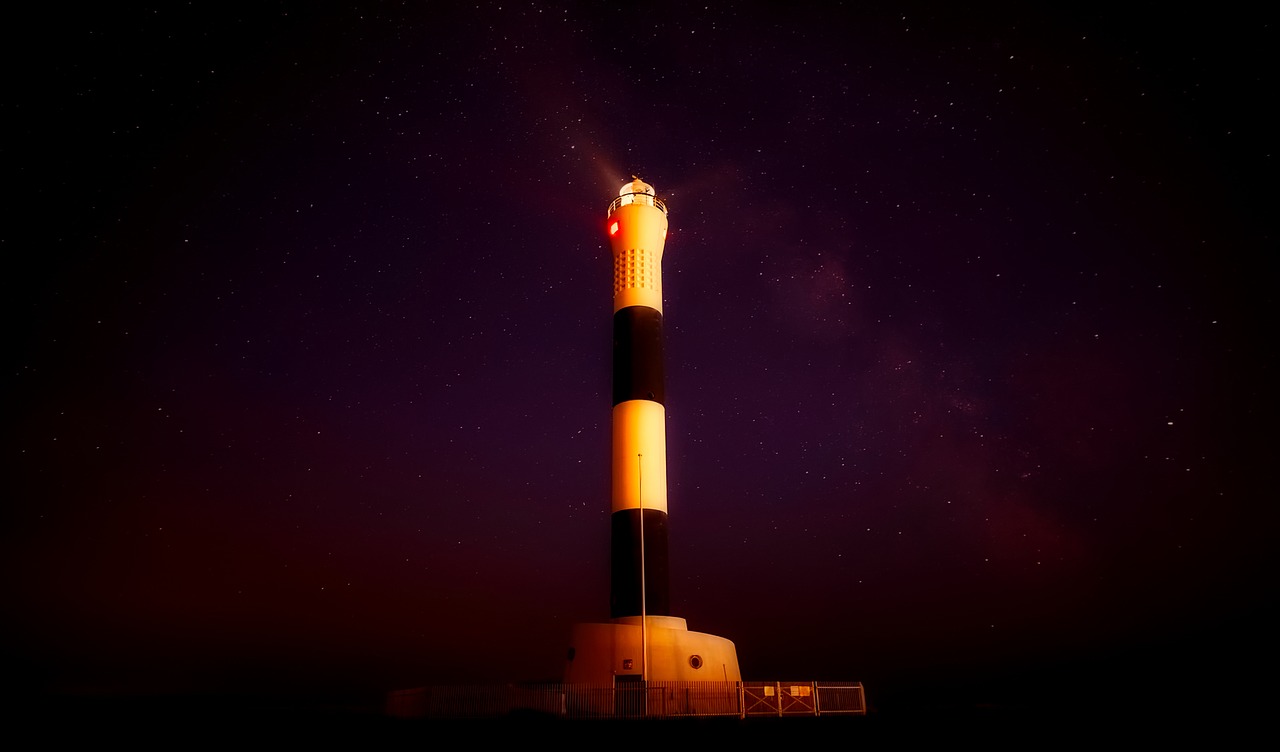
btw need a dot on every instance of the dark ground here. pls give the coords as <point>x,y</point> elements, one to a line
<point>1050,714</point>
<point>161,724</point>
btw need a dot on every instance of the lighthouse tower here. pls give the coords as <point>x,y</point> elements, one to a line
<point>642,641</point>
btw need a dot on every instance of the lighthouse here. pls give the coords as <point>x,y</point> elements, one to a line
<point>637,229</point>
<point>642,641</point>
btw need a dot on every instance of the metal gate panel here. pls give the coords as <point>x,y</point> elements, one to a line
<point>759,698</point>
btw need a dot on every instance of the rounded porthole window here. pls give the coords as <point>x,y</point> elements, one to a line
<point>695,661</point>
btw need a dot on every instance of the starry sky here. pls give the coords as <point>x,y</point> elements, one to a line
<point>308,339</point>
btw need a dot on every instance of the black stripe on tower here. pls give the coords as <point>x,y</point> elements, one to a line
<point>637,355</point>
<point>638,374</point>
<point>624,547</point>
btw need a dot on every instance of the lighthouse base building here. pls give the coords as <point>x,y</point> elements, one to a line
<point>657,648</point>
<point>642,641</point>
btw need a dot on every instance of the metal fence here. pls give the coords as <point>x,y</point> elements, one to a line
<point>631,699</point>
<point>803,698</point>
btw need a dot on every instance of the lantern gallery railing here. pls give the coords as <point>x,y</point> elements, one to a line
<point>631,699</point>
<point>637,197</point>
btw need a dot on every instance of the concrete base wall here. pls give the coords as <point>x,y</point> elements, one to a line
<point>601,652</point>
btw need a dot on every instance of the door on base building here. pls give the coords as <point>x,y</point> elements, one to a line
<point>628,696</point>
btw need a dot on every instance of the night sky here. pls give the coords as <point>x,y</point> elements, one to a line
<point>307,364</point>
